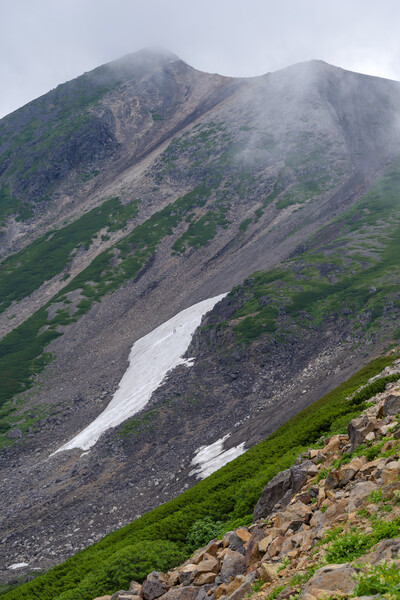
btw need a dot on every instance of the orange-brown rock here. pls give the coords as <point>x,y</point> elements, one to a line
<point>268,572</point>
<point>204,578</point>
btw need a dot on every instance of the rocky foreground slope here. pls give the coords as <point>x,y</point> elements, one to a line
<point>329,527</point>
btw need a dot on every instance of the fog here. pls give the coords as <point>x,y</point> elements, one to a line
<point>45,43</point>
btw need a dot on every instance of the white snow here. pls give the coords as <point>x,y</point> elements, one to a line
<point>18,566</point>
<point>211,458</point>
<point>150,359</point>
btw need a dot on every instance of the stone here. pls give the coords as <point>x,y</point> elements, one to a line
<point>135,588</point>
<point>103,598</point>
<point>358,428</point>
<point>265,542</point>
<point>359,492</point>
<point>154,586</point>
<point>384,551</point>
<point>268,572</point>
<point>391,472</point>
<point>391,405</point>
<point>244,534</point>
<point>220,591</point>
<point>122,595</point>
<point>241,592</point>
<point>173,578</point>
<point>281,489</point>
<point>234,585</point>
<point>211,549</point>
<point>232,540</point>
<point>209,564</point>
<point>330,579</point>
<point>188,592</point>
<point>275,546</point>
<point>295,515</point>
<point>233,564</point>
<point>204,578</point>
<point>252,552</point>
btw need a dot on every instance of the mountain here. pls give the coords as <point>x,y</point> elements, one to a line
<point>132,194</point>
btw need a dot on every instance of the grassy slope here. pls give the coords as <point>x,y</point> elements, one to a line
<point>157,540</point>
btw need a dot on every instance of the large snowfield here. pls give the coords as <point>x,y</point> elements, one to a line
<point>150,359</point>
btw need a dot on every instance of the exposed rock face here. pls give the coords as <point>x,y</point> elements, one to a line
<point>281,489</point>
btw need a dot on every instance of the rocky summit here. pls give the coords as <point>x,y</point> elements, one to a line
<point>128,197</point>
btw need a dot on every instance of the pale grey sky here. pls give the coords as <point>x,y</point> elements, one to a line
<point>46,42</point>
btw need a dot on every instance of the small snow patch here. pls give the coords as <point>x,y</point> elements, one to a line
<point>150,359</point>
<point>211,458</point>
<point>18,566</point>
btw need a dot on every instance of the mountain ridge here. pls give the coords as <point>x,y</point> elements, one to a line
<point>192,184</point>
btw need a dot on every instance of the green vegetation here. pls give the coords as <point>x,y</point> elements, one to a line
<point>202,531</point>
<point>12,206</point>
<point>48,256</point>
<point>383,579</point>
<point>230,493</point>
<point>348,546</point>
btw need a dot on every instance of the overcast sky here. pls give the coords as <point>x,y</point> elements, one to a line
<point>46,42</point>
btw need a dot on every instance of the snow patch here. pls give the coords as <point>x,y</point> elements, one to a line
<point>18,566</point>
<point>211,458</point>
<point>150,359</point>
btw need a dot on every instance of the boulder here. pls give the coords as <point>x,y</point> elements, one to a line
<point>281,489</point>
<point>211,549</point>
<point>359,493</point>
<point>268,572</point>
<point>204,578</point>
<point>329,580</point>
<point>244,534</point>
<point>233,564</point>
<point>241,592</point>
<point>391,472</point>
<point>384,551</point>
<point>135,588</point>
<point>391,405</point>
<point>187,574</point>
<point>121,595</point>
<point>234,542</point>
<point>155,585</point>
<point>295,516</point>
<point>252,552</point>
<point>188,592</point>
<point>358,429</point>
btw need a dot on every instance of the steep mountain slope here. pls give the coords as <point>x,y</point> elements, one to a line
<point>142,188</point>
